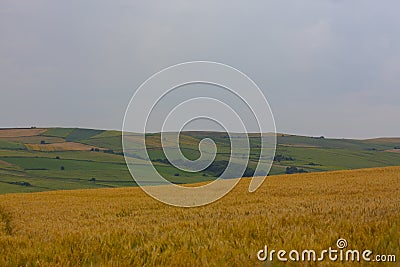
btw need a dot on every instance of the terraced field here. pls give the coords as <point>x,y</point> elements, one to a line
<point>67,158</point>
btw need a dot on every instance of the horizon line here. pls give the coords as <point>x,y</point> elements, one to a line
<point>210,131</point>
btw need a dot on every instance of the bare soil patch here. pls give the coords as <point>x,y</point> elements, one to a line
<point>5,163</point>
<point>20,132</point>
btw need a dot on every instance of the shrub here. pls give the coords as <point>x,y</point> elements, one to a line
<point>248,172</point>
<point>291,170</point>
<point>281,157</point>
<point>21,183</point>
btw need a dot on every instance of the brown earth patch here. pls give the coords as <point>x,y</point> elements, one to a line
<point>393,150</point>
<point>5,163</point>
<point>20,132</point>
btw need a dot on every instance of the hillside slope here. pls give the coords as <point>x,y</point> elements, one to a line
<point>33,160</point>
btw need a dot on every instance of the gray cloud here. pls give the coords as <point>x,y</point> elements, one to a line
<point>327,67</point>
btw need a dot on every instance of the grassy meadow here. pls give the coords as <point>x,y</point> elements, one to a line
<point>125,227</point>
<point>33,160</point>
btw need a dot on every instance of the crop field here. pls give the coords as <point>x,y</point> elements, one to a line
<point>72,158</point>
<point>33,139</point>
<point>125,227</point>
<point>64,146</point>
<point>20,132</point>
<point>7,145</point>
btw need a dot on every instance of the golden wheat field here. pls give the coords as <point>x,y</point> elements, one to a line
<point>64,146</point>
<point>125,227</point>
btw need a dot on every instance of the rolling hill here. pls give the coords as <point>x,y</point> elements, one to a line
<point>42,159</point>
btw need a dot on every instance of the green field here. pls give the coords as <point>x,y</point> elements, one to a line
<point>102,165</point>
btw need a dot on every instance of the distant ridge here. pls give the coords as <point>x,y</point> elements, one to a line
<point>79,158</point>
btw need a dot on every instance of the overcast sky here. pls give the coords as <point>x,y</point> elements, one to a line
<point>326,67</point>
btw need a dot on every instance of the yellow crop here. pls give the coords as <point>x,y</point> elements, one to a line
<point>125,227</point>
